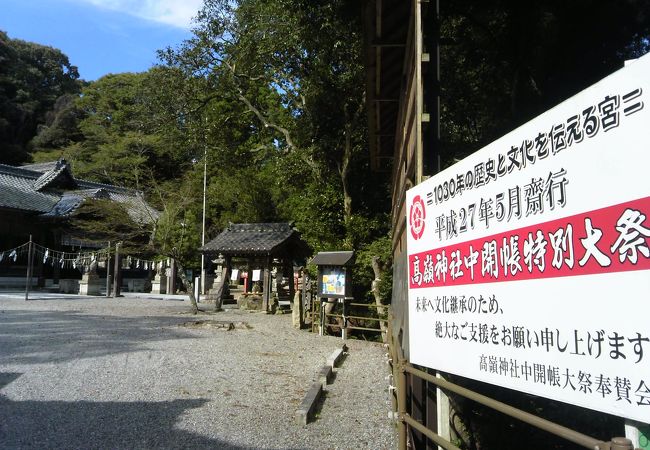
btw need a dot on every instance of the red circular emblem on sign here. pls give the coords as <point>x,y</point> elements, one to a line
<point>417,214</point>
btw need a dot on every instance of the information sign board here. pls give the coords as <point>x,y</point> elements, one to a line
<point>333,282</point>
<point>529,261</point>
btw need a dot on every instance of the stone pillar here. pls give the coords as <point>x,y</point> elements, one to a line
<point>226,282</point>
<point>171,277</point>
<point>90,282</point>
<point>214,276</point>
<point>159,282</point>
<point>279,278</point>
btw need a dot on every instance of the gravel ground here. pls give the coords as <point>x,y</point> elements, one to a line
<point>130,373</point>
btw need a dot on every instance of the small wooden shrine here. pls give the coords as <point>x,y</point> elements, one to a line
<point>258,253</point>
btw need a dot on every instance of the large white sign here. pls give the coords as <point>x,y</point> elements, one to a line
<point>529,261</point>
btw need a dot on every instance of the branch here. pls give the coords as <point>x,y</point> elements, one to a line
<point>258,114</point>
<point>266,123</point>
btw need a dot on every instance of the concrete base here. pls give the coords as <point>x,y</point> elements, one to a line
<point>136,285</point>
<point>336,357</point>
<point>308,405</point>
<point>325,375</point>
<point>159,284</point>
<point>68,286</point>
<point>90,284</point>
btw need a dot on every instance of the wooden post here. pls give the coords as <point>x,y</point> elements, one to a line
<point>303,297</point>
<point>117,279</point>
<point>173,270</point>
<point>108,270</point>
<point>292,280</point>
<point>228,263</point>
<point>248,283</point>
<point>266,285</point>
<point>418,389</point>
<point>344,323</point>
<point>28,280</point>
<point>296,299</point>
<point>401,404</point>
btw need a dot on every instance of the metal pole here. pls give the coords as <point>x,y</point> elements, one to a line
<point>108,270</point>
<point>28,280</point>
<point>321,326</point>
<point>205,178</point>
<point>344,334</point>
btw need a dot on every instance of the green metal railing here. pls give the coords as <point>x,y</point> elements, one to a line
<point>401,368</point>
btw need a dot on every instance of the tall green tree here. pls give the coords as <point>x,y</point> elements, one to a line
<point>118,131</point>
<point>505,62</point>
<point>295,67</point>
<point>32,78</point>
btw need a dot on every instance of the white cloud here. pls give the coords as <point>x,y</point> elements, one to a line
<point>177,13</point>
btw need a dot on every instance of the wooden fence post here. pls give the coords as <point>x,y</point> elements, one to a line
<point>117,282</point>
<point>108,270</point>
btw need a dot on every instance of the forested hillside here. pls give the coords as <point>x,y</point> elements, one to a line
<point>34,81</point>
<point>270,93</point>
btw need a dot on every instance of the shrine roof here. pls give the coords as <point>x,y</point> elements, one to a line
<point>51,190</point>
<point>260,239</point>
<point>341,258</point>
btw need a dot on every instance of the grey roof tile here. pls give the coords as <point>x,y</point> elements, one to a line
<point>253,239</point>
<point>17,192</point>
<point>40,167</point>
<point>59,176</point>
<point>51,190</point>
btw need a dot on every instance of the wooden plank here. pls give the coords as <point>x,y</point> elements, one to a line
<point>306,409</point>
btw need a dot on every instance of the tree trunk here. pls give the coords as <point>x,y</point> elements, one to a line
<point>345,175</point>
<point>189,286</point>
<point>376,268</point>
<point>221,287</point>
<point>297,307</point>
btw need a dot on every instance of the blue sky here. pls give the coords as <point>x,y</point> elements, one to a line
<point>101,36</point>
